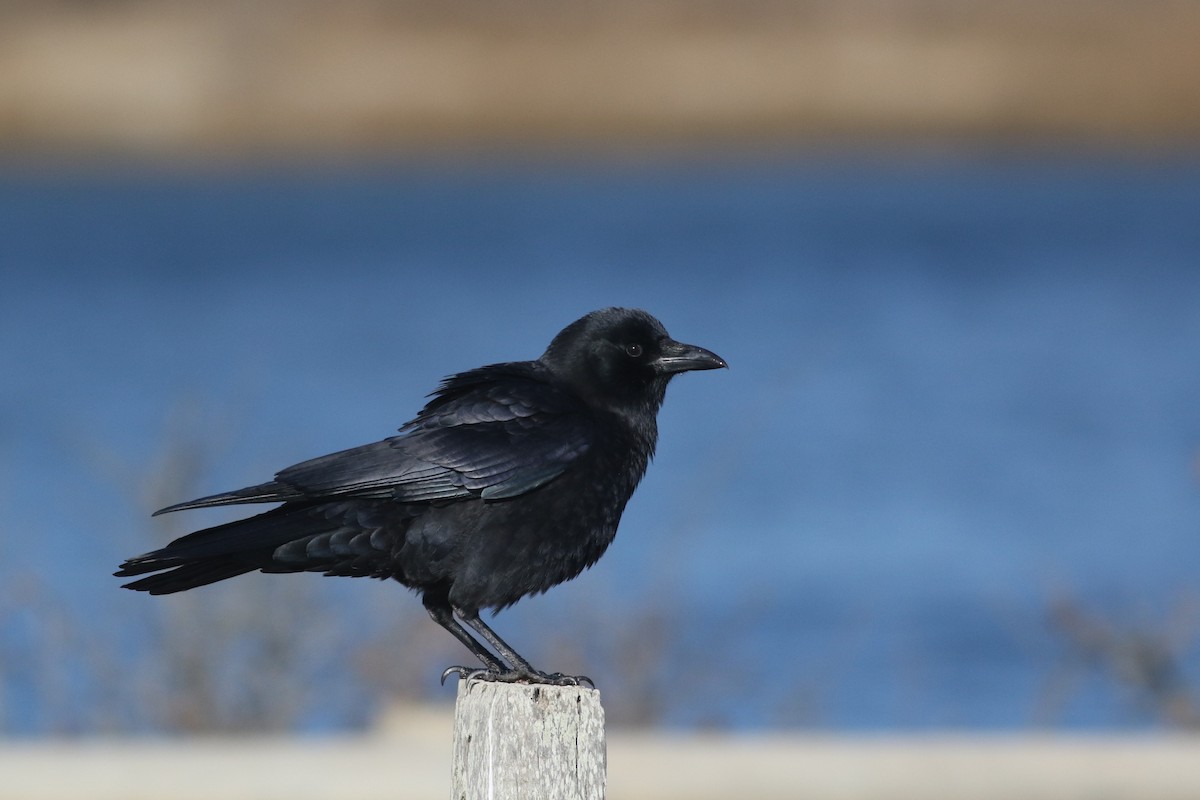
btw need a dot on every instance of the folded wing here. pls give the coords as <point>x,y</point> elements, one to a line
<point>493,433</point>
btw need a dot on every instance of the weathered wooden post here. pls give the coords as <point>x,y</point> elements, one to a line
<point>514,741</point>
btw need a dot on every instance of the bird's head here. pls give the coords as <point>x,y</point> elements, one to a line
<point>622,358</point>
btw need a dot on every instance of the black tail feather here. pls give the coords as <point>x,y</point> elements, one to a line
<point>228,550</point>
<point>188,576</point>
<point>273,492</point>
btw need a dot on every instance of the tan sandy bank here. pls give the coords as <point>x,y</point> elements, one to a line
<point>409,757</point>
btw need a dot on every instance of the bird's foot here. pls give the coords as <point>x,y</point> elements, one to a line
<point>530,676</point>
<point>559,679</point>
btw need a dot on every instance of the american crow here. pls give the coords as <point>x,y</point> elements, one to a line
<point>510,480</point>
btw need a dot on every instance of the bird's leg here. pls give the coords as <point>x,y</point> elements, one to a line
<point>521,670</point>
<point>502,647</point>
<point>444,616</point>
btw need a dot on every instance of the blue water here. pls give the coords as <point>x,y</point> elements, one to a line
<point>960,388</point>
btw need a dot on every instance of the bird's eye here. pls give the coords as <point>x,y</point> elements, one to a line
<point>633,350</point>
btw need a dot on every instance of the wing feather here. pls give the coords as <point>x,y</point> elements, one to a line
<point>495,433</point>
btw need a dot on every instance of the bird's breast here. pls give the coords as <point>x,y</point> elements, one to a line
<point>549,535</point>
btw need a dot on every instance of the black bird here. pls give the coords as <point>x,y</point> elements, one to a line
<point>510,480</point>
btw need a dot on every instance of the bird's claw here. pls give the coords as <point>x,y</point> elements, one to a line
<point>559,679</point>
<point>467,674</point>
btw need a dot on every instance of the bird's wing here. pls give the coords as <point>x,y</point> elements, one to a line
<point>493,433</point>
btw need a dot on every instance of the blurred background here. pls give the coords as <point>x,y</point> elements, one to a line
<point>949,248</point>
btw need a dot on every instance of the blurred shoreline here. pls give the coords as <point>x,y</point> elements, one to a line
<point>156,78</point>
<point>411,749</point>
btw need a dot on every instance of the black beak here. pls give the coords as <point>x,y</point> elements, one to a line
<point>680,357</point>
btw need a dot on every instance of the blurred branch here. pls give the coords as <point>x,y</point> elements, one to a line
<point>1147,658</point>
